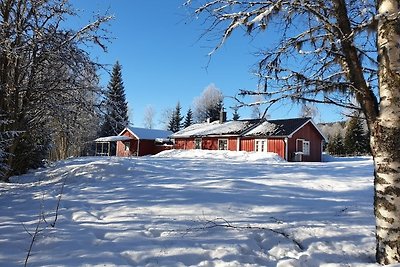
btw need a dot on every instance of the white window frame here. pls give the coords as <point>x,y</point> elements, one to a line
<point>196,143</point>
<point>264,145</point>
<point>226,144</point>
<point>127,145</point>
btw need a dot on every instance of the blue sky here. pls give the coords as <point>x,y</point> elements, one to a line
<point>163,60</point>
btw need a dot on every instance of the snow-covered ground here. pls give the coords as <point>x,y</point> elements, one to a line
<point>196,208</point>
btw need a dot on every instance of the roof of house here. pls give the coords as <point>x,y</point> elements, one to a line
<point>258,127</point>
<point>277,128</point>
<point>216,128</point>
<point>147,134</point>
<point>112,139</point>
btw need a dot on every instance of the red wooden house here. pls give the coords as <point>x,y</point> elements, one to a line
<point>293,139</point>
<point>133,141</point>
<point>143,142</point>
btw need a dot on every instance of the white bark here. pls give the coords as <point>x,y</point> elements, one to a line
<point>338,59</point>
<point>148,117</point>
<point>385,137</point>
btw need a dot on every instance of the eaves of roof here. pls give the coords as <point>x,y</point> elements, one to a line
<point>284,128</point>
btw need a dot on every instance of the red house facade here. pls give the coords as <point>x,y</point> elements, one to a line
<point>133,141</point>
<point>292,139</point>
<point>143,142</point>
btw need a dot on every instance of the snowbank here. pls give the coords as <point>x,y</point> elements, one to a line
<point>329,158</point>
<point>166,211</point>
<point>221,155</point>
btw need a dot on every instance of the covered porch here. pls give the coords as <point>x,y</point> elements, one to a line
<point>107,146</point>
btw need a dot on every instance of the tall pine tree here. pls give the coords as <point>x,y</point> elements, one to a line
<point>235,115</point>
<point>116,113</point>
<point>188,119</point>
<point>175,123</point>
<point>356,139</point>
<point>336,145</point>
<point>214,112</point>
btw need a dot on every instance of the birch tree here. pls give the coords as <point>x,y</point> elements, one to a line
<point>331,51</point>
<point>148,117</point>
<point>42,66</point>
<point>209,104</point>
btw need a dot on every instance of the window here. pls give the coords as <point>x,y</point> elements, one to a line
<point>306,147</point>
<point>127,146</point>
<point>303,146</point>
<point>197,143</point>
<point>299,145</point>
<point>222,144</point>
<point>261,146</point>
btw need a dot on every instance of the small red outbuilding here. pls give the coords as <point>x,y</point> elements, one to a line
<point>143,142</point>
<point>133,141</point>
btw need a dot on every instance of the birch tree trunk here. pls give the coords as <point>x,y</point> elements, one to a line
<point>385,136</point>
<point>335,31</point>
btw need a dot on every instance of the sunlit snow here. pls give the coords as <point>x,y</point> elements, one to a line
<point>191,208</point>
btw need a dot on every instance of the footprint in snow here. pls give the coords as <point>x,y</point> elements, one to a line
<point>152,232</point>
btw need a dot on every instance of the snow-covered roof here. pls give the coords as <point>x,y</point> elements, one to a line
<point>273,128</point>
<point>266,128</point>
<point>216,128</point>
<point>147,134</point>
<point>281,128</point>
<point>112,138</point>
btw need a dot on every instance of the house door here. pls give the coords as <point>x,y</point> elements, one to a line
<point>261,146</point>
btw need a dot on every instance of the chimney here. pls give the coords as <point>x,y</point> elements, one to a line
<point>222,116</point>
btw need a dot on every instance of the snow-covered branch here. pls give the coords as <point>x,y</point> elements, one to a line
<point>309,59</point>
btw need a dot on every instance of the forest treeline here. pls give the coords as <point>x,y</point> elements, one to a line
<point>51,104</point>
<point>347,138</point>
<point>49,87</point>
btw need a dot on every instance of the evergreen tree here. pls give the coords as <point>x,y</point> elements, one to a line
<point>213,112</point>
<point>356,139</point>
<point>336,145</point>
<point>188,119</point>
<point>236,115</point>
<point>175,122</point>
<point>116,113</point>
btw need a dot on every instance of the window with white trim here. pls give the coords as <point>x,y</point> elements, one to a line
<point>197,143</point>
<point>303,146</point>
<point>127,146</point>
<point>222,144</point>
<point>260,145</point>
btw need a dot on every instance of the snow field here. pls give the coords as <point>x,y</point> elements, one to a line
<point>196,208</point>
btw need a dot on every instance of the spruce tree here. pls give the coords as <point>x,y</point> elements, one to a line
<point>116,113</point>
<point>236,115</point>
<point>355,140</point>
<point>176,119</point>
<point>336,145</point>
<point>213,112</point>
<point>188,119</point>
